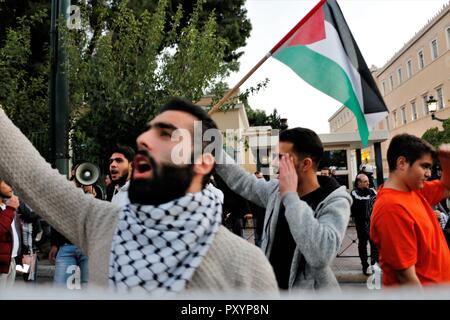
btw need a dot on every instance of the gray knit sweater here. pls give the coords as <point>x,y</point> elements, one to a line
<point>318,234</point>
<point>231,263</point>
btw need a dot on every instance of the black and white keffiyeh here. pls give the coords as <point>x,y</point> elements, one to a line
<point>157,248</point>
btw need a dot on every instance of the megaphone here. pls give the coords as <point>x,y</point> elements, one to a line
<point>87,173</point>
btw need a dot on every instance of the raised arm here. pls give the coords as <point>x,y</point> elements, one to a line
<point>50,194</point>
<point>444,159</point>
<point>243,183</point>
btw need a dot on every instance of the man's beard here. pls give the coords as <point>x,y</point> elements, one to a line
<point>168,183</point>
<point>122,180</point>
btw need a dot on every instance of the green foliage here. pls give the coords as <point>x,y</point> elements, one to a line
<point>231,18</point>
<point>436,137</point>
<point>24,86</point>
<point>119,86</point>
<point>127,59</point>
<point>259,117</point>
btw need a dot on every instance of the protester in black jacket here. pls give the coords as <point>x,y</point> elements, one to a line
<point>363,199</point>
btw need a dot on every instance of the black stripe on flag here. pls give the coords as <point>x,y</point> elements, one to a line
<point>373,101</point>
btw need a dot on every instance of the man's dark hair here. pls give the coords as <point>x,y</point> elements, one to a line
<point>408,146</point>
<point>306,143</point>
<point>127,152</point>
<point>179,104</point>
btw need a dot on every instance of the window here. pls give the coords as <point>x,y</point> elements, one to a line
<point>413,110</point>
<point>387,123</point>
<point>409,68</point>
<point>440,98</point>
<point>425,106</point>
<point>399,74</point>
<point>403,111</point>
<point>384,87</point>
<point>420,59</point>
<point>434,49</point>
<point>391,82</point>
<point>394,118</point>
<point>448,37</point>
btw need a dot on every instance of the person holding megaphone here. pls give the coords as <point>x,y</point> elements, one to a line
<point>71,264</point>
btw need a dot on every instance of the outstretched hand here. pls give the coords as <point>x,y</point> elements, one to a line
<point>288,176</point>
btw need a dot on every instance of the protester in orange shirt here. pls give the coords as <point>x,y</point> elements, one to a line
<point>412,247</point>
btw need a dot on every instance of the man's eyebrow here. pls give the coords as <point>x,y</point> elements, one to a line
<point>161,125</point>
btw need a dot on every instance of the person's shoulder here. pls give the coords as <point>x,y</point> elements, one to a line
<point>389,204</point>
<point>234,247</point>
<point>339,193</point>
<point>226,238</point>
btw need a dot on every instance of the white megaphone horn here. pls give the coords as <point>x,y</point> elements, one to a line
<point>87,173</point>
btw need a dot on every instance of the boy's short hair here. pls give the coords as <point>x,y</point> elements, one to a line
<point>408,146</point>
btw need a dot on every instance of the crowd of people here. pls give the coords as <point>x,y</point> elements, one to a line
<point>165,227</point>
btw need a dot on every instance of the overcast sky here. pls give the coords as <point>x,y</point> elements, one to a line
<point>380,28</point>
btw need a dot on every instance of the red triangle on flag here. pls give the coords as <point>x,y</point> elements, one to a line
<point>311,31</point>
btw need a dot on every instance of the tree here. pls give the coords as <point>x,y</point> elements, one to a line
<point>23,84</point>
<point>231,18</point>
<point>118,87</point>
<point>436,137</point>
<point>260,118</point>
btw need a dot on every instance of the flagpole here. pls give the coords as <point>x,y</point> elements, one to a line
<point>267,56</point>
<point>230,92</point>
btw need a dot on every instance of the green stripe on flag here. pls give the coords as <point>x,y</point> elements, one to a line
<point>327,76</point>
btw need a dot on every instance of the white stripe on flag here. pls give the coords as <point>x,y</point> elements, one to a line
<point>331,47</point>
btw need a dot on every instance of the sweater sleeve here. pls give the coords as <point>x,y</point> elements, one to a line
<point>76,215</point>
<point>318,239</point>
<point>246,185</point>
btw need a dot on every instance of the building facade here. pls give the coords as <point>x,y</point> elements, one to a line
<point>420,69</point>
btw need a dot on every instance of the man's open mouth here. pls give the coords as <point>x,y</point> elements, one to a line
<point>142,167</point>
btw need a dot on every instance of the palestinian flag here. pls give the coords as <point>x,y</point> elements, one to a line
<point>321,50</point>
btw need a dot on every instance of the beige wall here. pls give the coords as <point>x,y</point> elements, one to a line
<point>422,82</point>
<point>231,119</point>
<point>236,119</point>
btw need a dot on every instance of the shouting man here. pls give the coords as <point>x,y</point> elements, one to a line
<point>169,237</point>
<point>120,169</point>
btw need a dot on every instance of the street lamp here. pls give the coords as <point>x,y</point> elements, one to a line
<point>432,107</point>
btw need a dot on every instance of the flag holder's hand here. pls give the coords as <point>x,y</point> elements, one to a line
<point>444,159</point>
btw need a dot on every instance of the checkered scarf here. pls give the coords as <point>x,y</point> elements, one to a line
<point>157,248</point>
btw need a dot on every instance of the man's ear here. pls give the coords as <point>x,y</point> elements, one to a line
<point>130,167</point>
<point>307,164</point>
<point>401,163</point>
<point>204,164</point>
